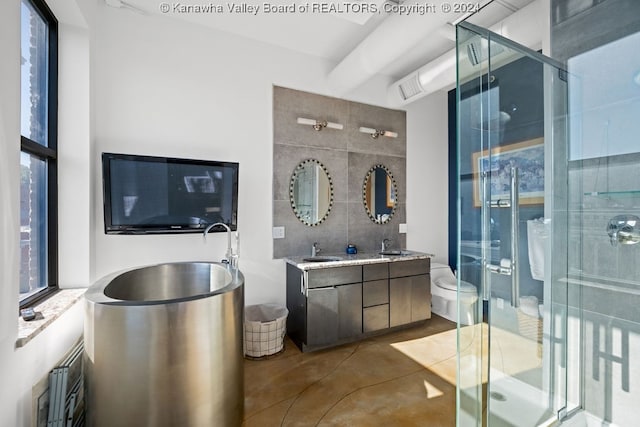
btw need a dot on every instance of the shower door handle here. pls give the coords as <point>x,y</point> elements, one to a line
<point>485,197</point>
<point>515,222</point>
<point>511,267</point>
<point>499,269</point>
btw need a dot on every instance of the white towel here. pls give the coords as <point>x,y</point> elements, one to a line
<point>537,233</point>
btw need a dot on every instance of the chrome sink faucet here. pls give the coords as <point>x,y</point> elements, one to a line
<point>229,257</point>
<point>385,242</point>
<point>315,250</point>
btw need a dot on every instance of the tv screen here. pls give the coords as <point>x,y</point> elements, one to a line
<point>145,194</point>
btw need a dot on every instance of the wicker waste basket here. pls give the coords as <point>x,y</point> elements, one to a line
<point>265,326</point>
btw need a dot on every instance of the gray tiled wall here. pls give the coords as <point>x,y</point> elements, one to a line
<point>597,194</point>
<point>347,154</point>
<point>607,297</point>
<point>581,25</point>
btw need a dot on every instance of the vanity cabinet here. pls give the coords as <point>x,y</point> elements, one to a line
<point>339,304</point>
<point>325,305</point>
<point>333,313</point>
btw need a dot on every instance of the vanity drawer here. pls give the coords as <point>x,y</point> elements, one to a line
<point>375,293</point>
<point>409,268</point>
<point>334,276</point>
<point>375,271</point>
<point>375,318</point>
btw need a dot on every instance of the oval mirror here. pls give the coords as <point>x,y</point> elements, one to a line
<point>311,192</point>
<point>379,194</point>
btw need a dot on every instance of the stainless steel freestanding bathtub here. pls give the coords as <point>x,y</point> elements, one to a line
<point>163,347</point>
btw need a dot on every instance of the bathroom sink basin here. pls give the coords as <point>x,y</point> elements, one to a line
<point>393,252</point>
<point>321,259</point>
<point>390,252</point>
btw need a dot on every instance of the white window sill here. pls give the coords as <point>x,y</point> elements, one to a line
<point>49,309</point>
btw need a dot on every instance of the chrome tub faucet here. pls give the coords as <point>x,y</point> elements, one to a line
<point>229,257</point>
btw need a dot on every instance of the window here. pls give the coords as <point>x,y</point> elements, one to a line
<point>38,142</point>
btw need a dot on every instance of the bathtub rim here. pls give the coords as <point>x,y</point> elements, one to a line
<point>95,293</point>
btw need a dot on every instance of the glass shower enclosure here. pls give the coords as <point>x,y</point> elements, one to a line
<point>548,217</point>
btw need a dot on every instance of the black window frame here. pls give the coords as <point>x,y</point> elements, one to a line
<point>49,154</point>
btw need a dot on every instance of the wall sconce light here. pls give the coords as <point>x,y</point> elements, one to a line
<point>375,133</point>
<point>319,124</point>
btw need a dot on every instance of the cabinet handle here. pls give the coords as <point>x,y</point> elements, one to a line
<point>324,288</point>
<point>304,278</point>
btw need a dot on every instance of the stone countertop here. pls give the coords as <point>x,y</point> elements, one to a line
<point>344,260</point>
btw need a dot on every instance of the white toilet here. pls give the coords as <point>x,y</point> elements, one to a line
<point>444,295</point>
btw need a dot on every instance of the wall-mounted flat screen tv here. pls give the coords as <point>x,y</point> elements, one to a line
<point>145,194</point>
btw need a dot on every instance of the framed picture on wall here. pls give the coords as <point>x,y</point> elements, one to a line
<point>527,156</point>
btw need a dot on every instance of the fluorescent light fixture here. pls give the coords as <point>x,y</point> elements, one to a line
<point>375,133</point>
<point>319,124</point>
<point>122,4</point>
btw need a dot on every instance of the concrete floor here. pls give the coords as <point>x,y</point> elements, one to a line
<point>405,378</point>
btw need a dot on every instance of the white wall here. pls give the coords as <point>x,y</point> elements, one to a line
<point>427,174</point>
<point>159,86</point>
<point>9,166</point>
<point>22,368</point>
<point>74,167</point>
<point>169,88</point>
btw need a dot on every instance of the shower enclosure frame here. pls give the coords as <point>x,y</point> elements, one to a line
<point>475,400</point>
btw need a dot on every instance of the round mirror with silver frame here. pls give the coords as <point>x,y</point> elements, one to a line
<point>311,192</point>
<point>379,194</point>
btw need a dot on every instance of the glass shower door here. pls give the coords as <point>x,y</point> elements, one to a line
<point>512,114</point>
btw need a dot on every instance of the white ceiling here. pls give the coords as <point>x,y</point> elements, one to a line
<point>335,35</point>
